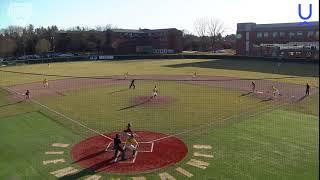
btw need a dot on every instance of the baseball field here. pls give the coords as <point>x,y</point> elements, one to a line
<point>206,122</point>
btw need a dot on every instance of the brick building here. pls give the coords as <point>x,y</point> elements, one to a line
<point>290,40</point>
<point>121,41</point>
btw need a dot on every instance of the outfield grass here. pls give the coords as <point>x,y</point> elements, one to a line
<point>24,140</point>
<point>275,145</point>
<point>193,105</point>
<point>298,73</point>
<point>248,143</point>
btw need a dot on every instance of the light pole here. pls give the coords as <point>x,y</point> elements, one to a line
<point>52,42</point>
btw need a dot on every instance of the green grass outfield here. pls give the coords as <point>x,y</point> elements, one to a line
<point>290,72</point>
<point>250,139</point>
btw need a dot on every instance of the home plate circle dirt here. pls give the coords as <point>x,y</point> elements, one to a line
<point>96,154</point>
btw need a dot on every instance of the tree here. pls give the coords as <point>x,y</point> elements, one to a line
<point>42,46</point>
<point>190,41</point>
<point>7,47</point>
<point>105,27</point>
<point>215,30</point>
<point>200,28</point>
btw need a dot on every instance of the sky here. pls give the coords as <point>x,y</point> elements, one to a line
<point>151,14</point>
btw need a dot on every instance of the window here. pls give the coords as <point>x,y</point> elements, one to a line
<point>265,34</point>
<point>310,33</point>
<point>259,35</point>
<point>282,34</point>
<point>292,34</point>
<point>299,33</point>
<point>317,35</point>
<point>275,34</point>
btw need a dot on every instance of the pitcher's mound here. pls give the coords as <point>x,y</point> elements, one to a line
<point>149,100</point>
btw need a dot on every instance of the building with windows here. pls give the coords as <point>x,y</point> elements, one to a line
<point>121,41</point>
<point>288,40</point>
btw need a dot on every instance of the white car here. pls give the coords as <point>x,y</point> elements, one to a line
<point>66,55</point>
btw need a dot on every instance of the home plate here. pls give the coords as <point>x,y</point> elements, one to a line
<point>259,92</point>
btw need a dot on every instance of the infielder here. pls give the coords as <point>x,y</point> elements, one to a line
<point>253,86</point>
<point>132,85</point>
<point>307,89</point>
<point>194,74</point>
<point>27,94</point>
<point>126,75</point>
<point>155,91</point>
<point>275,91</point>
<point>45,83</point>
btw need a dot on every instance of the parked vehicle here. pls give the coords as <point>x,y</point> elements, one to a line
<point>66,55</point>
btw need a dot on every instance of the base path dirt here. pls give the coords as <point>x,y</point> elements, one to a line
<point>58,87</point>
<point>288,92</point>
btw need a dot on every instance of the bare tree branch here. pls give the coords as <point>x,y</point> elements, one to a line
<point>200,26</point>
<point>215,31</point>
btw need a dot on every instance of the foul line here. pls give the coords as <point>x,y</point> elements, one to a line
<point>52,110</point>
<point>209,124</point>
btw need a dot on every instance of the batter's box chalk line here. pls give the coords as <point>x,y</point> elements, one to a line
<point>142,147</point>
<point>147,147</point>
<point>128,160</point>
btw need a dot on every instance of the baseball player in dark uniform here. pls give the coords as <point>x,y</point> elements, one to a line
<point>307,89</point>
<point>127,132</point>
<point>132,84</point>
<point>27,94</point>
<point>117,147</point>
<point>253,86</point>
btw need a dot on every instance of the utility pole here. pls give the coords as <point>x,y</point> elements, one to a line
<point>52,42</point>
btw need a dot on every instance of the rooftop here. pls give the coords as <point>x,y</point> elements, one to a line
<point>284,25</point>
